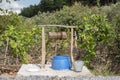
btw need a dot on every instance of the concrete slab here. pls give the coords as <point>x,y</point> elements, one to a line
<point>34,69</point>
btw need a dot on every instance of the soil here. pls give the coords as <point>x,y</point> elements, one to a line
<point>9,70</point>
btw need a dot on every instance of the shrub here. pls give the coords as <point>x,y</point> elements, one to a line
<point>18,35</point>
<point>95,31</point>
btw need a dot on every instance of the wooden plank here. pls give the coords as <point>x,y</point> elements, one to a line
<point>57,26</point>
<point>43,48</point>
<point>71,50</point>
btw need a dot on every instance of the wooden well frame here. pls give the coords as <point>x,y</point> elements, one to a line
<point>44,46</point>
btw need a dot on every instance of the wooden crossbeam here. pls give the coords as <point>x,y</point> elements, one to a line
<point>56,26</point>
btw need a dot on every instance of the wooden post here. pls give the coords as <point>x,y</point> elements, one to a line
<point>71,50</point>
<point>75,39</point>
<point>43,48</point>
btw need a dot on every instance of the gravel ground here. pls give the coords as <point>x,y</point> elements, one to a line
<point>62,78</point>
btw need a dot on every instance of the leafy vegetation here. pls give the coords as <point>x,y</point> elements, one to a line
<point>94,31</point>
<point>97,29</point>
<point>55,5</point>
<point>98,32</point>
<point>21,36</point>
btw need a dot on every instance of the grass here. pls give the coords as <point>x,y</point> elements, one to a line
<point>102,70</point>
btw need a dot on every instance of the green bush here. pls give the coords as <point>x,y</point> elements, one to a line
<point>20,36</point>
<point>95,30</point>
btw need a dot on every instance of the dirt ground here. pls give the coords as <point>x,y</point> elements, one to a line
<point>9,70</point>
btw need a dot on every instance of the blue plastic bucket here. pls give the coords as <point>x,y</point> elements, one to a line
<point>61,63</point>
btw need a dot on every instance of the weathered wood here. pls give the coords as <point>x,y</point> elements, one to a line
<point>43,48</point>
<point>57,26</point>
<point>6,51</point>
<point>71,50</point>
<point>75,39</point>
<point>57,35</point>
